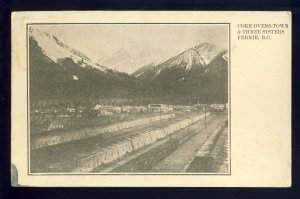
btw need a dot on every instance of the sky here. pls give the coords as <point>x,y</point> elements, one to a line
<point>144,42</point>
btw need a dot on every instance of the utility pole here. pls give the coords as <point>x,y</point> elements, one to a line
<point>160,113</point>
<point>205,116</point>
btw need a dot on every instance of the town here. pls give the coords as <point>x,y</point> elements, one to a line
<point>70,138</point>
<point>70,117</point>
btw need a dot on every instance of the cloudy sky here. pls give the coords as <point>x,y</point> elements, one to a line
<point>143,42</point>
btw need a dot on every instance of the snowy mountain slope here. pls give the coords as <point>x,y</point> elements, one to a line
<point>55,49</point>
<point>197,57</point>
<point>120,61</point>
<point>61,73</point>
<point>131,57</point>
<point>207,83</point>
<point>200,72</point>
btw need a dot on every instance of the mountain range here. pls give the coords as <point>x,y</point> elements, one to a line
<point>130,57</point>
<point>58,71</point>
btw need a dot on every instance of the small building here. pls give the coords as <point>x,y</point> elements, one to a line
<point>98,107</point>
<point>105,112</point>
<point>112,109</point>
<point>126,109</point>
<point>139,109</point>
<point>217,107</point>
<point>53,125</point>
<point>70,110</point>
<point>170,108</point>
<point>200,106</point>
<point>48,115</point>
<point>158,108</point>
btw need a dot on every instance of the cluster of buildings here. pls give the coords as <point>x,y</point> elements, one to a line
<point>59,118</point>
<point>97,110</point>
<point>110,110</point>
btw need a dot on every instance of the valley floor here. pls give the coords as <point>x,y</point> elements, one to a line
<point>134,150</point>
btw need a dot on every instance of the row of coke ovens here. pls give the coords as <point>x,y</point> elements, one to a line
<point>118,150</point>
<point>204,159</point>
<point>68,136</point>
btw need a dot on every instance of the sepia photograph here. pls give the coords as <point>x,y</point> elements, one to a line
<point>128,98</point>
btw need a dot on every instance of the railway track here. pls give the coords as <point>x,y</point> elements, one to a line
<point>57,138</point>
<point>119,150</point>
<point>145,158</point>
<point>58,158</point>
<point>220,153</point>
<point>176,162</point>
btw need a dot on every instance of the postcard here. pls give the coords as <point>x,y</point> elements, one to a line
<point>151,99</point>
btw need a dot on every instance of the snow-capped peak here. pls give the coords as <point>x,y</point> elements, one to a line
<point>200,55</point>
<point>55,49</point>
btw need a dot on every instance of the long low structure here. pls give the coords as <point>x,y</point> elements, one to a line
<point>204,160</point>
<point>118,150</point>
<point>68,136</point>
